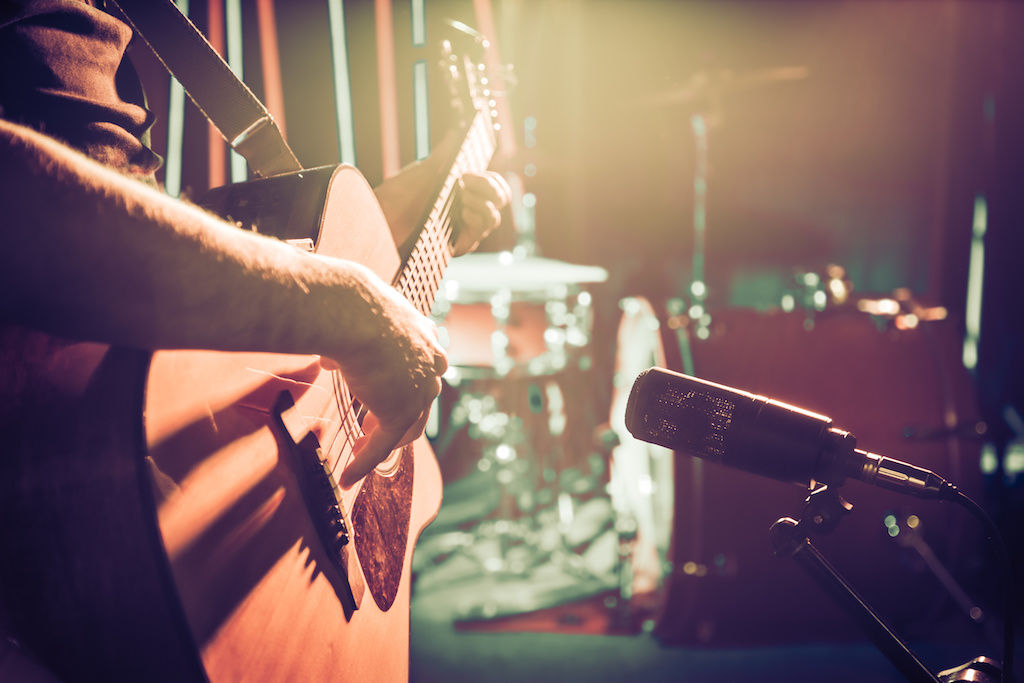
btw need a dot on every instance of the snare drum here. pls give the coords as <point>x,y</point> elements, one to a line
<point>500,314</point>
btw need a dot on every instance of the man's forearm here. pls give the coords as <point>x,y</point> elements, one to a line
<point>96,255</point>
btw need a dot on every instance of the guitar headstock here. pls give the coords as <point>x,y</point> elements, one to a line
<point>473,89</point>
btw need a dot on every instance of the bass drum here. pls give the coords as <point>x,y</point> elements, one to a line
<point>640,475</point>
<point>903,393</point>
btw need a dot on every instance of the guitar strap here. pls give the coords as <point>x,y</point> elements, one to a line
<point>221,96</point>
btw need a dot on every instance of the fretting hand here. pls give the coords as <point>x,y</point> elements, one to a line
<point>480,200</point>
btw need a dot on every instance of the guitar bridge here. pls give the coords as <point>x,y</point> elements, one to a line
<point>323,501</point>
<point>328,502</point>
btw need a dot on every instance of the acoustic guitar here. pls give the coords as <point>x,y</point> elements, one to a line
<point>176,515</point>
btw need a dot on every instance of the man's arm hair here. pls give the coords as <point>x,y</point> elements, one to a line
<point>93,254</point>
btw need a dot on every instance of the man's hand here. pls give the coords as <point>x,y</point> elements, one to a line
<point>481,198</point>
<point>396,377</point>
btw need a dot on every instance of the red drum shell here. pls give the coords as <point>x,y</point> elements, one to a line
<point>472,326</point>
<point>515,315</point>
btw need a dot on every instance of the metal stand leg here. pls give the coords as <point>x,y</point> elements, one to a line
<point>822,512</point>
<point>789,539</point>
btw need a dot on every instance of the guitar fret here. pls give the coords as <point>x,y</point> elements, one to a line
<point>420,276</point>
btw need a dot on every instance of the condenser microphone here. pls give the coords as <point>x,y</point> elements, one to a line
<point>763,436</point>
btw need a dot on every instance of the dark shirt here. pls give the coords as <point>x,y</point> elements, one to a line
<point>63,72</point>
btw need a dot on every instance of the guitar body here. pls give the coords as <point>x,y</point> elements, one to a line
<point>262,596</point>
<point>175,516</point>
<point>156,509</point>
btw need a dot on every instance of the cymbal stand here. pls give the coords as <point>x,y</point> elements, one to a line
<point>698,285</point>
<point>502,441</point>
<point>823,510</point>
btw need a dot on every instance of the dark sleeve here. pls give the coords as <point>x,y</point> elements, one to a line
<point>59,72</point>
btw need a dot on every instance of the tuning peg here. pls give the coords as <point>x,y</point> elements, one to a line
<point>468,30</point>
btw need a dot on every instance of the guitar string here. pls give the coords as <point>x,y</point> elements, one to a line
<point>431,254</point>
<point>350,429</point>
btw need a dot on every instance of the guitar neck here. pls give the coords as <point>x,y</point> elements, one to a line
<point>420,274</point>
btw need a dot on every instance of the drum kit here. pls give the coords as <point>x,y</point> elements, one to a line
<point>549,499</point>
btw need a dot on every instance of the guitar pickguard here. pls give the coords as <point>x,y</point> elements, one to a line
<point>380,517</point>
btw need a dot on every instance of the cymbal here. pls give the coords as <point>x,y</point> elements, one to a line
<point>710,84</point>
<point>489,272</point>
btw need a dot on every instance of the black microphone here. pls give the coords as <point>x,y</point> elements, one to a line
<point>763,436</point>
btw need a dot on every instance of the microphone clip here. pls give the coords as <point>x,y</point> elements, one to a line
<point>824,508</point>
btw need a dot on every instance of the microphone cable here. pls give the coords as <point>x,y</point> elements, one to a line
<point>998,545</point>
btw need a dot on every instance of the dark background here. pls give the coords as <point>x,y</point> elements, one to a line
<point>908,111</point>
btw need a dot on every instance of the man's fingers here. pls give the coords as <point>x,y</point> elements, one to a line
<point>370,422</point>
<point>328,363</point>
<point>376,445</point>
<point>379,441</point>
<point>370,451</point>
<point>501,187</point>
<point>480,218</point>
<point>440,365</point>
<point>414,432</point>
<point>489,186</point>
<point>477,221</point>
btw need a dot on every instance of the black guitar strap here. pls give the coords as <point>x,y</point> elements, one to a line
<point>223,98</point>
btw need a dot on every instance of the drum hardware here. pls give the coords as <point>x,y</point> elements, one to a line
<point>814,292</point>
<point>705,89</point>
<point>702,95</point>
<point>622,605</point>
<point>906,531</point>
<point>561,531</point>
<point>526,556</point>
<point>823,510</point>
<point>505,476</point>
<point>518,331</point>
<point>541,516</point>
<point>641,476</point>
<point>515,316</point>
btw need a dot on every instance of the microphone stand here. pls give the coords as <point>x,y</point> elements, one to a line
<point>822,512</point>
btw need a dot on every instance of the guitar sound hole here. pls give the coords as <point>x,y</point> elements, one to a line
<point>390,464</point>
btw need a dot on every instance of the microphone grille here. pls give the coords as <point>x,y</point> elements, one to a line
<point>681,413</point>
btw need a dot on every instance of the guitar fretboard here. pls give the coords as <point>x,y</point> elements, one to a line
<point>420,275</point>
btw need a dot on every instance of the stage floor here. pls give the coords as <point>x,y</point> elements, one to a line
<point>443,654</point>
